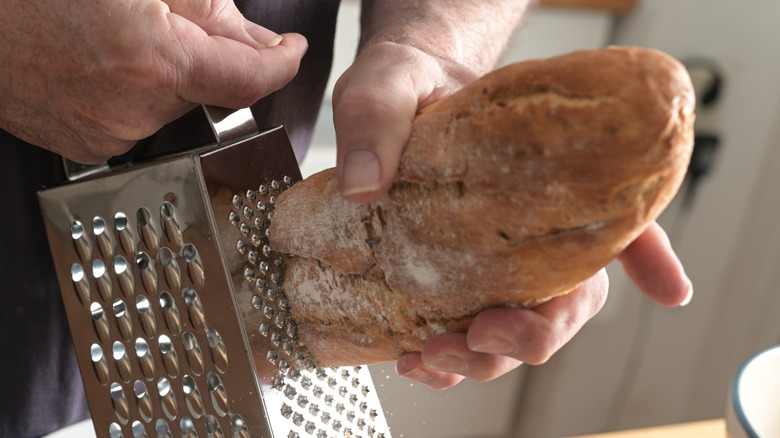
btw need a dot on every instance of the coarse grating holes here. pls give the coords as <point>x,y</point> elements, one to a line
<point>213,429</point>
<point>99,321</point>
<point>218,394</point>
<point>99,363</point>
<point>102,280</point>
<point>148,273</point>
<point>143,401</point>
<point>119,401</point>
<point>125,235</point>
<point>80,240</point>
<point>80,283</point>
<point>219,355</point>
<point>197,316</point>
<point>146,229</point>
<point>114,431</point>
<point>177,365</point>
<point>121,361</point>
<point>162,429</point>
<point>171,226</point>
<point>145,360</point>
<point>167,398</point>
<point>170,312</point>
<point>170,268</point>
<point>238,426</point>
<point>122,318</point>
<point>104,244</point>
<point>192,396</point>
<point>124,276</point>
<point>146,316</point>
<point>193,353</point>
<point>169,357</point>
<point>187,428</point>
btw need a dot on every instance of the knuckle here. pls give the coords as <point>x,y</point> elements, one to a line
<point>543,343</point>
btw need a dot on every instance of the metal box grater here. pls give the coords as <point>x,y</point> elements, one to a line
<point>175,305</point>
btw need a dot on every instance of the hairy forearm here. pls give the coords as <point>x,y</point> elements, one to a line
<point>473,33</point>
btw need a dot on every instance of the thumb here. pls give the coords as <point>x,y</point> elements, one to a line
<point>222,17</point>
<point>372,126</point>
<point>221,71</point>
<point>374,104</point>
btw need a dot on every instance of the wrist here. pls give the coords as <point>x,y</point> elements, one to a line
<point>470,33</point>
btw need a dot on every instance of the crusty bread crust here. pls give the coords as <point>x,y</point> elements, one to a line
<point>511,191</point>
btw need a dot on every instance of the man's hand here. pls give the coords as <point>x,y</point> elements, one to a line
<point>89,79</point>
<point>500,340</point>
<point>374,105</point>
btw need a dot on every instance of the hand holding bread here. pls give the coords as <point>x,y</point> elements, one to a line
<point>511,191</point>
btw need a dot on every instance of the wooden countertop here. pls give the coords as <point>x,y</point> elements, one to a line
<point>699,429</point>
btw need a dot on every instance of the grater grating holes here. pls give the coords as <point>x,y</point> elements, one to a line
<point>192,396</point>
<point>168,354</point>
<point>124,276</point>
<point>170,311</point>
<point>80,283</point>
<point>213,429</point>
<point>193,353</point>
<point>102,280</point>
<point>145,360</point>
<point>114,323</point>
<point>151,348</point>
<point>80,241</point>
<point>340,388</point>
<point>104,244</point>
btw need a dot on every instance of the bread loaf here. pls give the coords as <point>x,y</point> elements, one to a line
<point>510,192</point>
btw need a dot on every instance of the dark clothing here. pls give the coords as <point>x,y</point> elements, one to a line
<point>42,389</point>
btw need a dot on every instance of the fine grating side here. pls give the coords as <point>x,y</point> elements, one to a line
<point>316,401</point>
<point>175,302</point>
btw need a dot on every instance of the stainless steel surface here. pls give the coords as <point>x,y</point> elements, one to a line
<point>229,125</point>
<point>175,304</point>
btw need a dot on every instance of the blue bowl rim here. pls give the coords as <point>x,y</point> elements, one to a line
<point>738,410</point>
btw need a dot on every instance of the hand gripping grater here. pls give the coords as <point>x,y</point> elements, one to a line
<point>175,300</point>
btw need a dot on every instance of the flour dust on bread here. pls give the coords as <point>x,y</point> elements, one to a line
<point>511,191</point>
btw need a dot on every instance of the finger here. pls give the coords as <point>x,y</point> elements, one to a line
<point>372,126</point>
<point>534,335</point>
<point>373,108</point>
<point>222,17</point>
<point>223,72</point>
<point>410,366</point>
<point>449,353</point>
<point>653,266</point>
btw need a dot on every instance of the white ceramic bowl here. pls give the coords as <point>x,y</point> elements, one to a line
<point>753,409</point>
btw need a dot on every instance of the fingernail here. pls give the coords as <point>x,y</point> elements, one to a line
<point>450,363</point>
<point>274,41</point>
<point>688,297</point>
<point>418,375</point>
<point>263,36</point>
<point>495,345</point>
<point>361,172</point>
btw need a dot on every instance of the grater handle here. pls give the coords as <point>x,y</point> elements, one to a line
<point>230,125</point>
